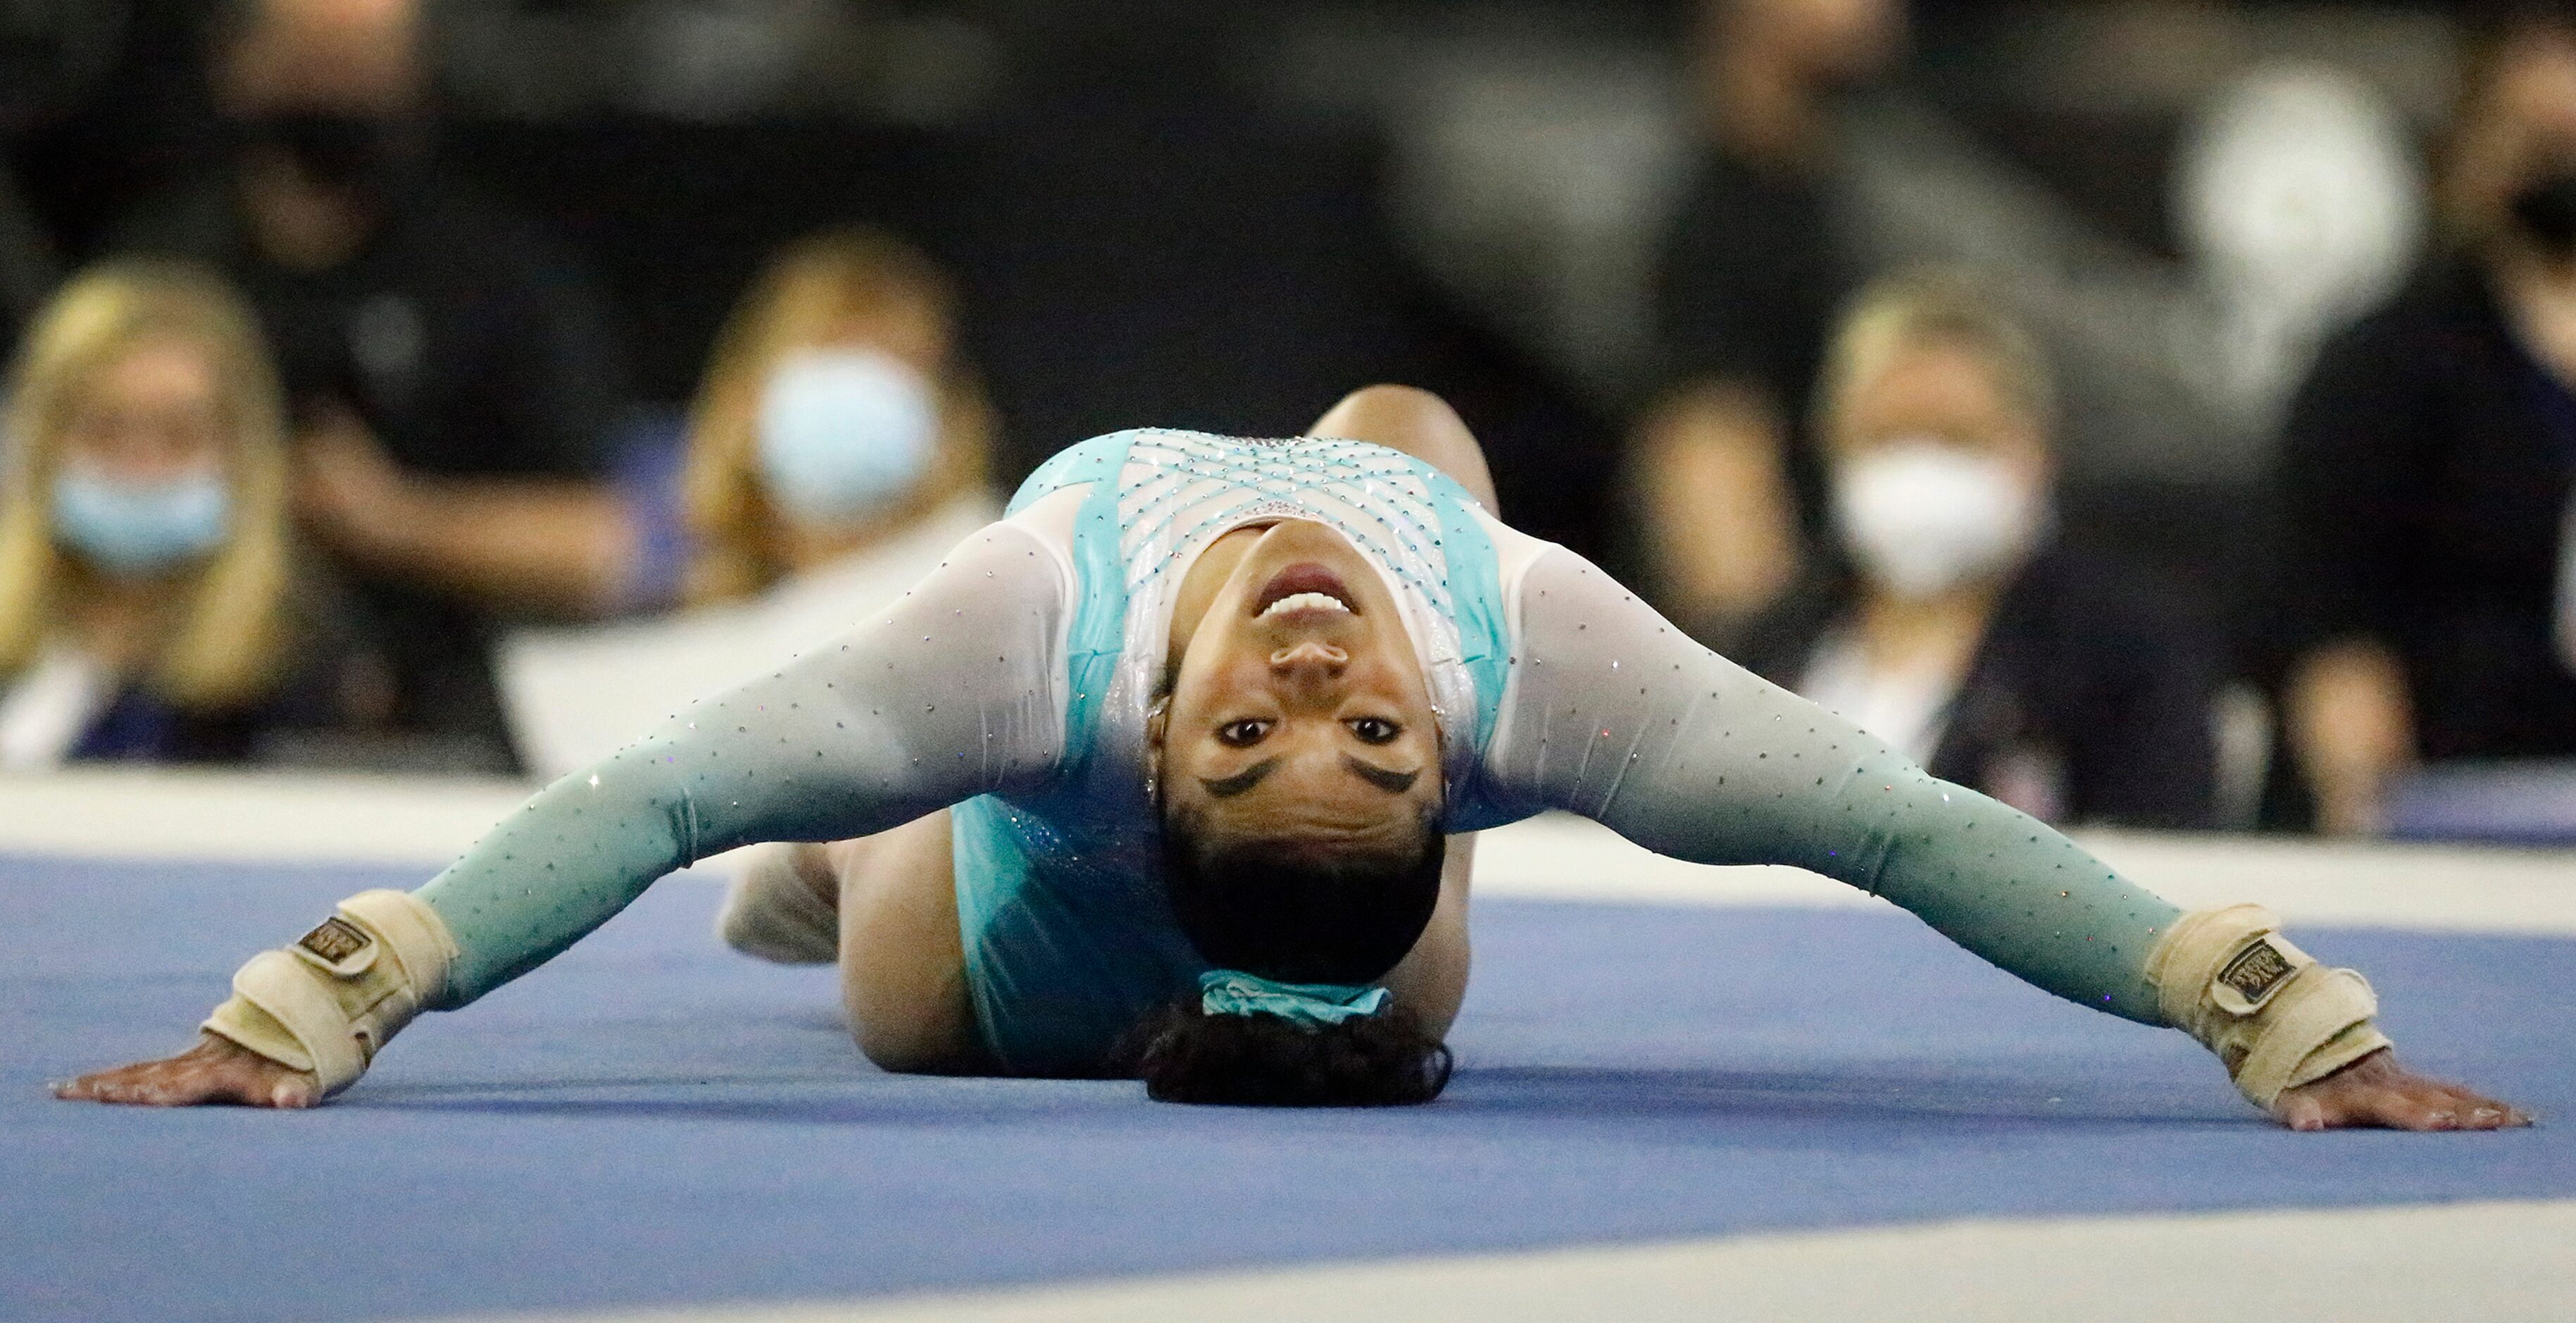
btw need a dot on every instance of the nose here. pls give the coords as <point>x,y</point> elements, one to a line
<point>1310,659</point>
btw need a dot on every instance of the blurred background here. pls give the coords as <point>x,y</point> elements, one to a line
<point>2151,413</point>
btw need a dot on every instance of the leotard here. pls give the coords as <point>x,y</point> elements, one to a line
<point>1013,684</point>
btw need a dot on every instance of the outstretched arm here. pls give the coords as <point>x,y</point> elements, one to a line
<point>953,691</point>
<point>1616,715</point>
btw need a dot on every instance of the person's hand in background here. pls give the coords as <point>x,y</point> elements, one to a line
<point>525,544</point>
<point>2352,732</point>
<point>349,493</point>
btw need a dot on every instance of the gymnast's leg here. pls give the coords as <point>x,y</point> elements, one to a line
<point>1418,423</point>
<point>885,908</point>
<point>1432,980</point>
<point>903,958</point>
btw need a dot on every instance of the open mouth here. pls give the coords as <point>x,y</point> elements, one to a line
<point>1306,587</point>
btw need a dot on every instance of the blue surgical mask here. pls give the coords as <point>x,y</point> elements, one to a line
<point>134,529</point>
<point>844,433</point>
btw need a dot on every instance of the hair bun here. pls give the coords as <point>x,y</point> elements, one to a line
<point>1185,1055</point>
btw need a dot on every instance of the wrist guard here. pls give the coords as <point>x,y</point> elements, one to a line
<point>2274,1016</point>
<point>330,1002</point>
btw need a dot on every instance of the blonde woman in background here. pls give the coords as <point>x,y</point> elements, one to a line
<point>147,599</point>
<point>834,416</point>
<point>1964,632</point>
<point>837,449</point>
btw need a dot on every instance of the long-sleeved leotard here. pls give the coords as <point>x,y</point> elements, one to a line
<point>1621,718</point>
<point>947,694</point>
<point>1013,680</point>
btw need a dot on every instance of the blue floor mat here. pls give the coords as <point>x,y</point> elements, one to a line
<point>654,1120</point>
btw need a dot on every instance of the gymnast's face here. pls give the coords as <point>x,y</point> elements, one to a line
<point>1298,710</point>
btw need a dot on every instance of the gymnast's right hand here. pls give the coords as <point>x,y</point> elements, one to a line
<point>216,1070</point>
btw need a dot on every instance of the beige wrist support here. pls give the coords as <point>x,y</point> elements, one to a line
<point>2274,1016</point>
<point>328,1003</point>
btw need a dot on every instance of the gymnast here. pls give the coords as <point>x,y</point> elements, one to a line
<point>1173,773</point>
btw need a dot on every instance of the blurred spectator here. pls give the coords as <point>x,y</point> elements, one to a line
<point>148,606</point>
<point>1968,636</point>
<point>2426,468</point>
<point>453,384</point>
<point>1751,273</point>
<point>834,414</point>
<point>839,448</point>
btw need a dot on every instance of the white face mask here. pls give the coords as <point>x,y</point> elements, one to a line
<point>844,433</point>
<point>1923,516</point>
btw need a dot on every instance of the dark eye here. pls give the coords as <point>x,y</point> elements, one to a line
<point>1374,730</point>
<point>1241,733</point>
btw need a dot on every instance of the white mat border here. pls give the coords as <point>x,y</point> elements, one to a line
<point>2503,1262</point>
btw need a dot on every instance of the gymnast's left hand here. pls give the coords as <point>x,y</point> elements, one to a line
<point>2376,1091</point>
<point>216,1070</point>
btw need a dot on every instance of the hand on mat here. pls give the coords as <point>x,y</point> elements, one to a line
<point>216,1070</point>
<point>2376,1091</point>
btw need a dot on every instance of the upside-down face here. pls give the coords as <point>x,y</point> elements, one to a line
<point>1299,712</point>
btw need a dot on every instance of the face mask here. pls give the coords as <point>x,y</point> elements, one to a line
<point>843,433</point>
<point>2544,210</point>
<point>1923,516</point>
<point>131,529</point>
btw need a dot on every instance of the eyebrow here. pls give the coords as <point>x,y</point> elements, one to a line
<point>1230,786</point>
<point>1394,783</point>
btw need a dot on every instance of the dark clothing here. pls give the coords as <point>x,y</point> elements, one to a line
<point>471,350</point>
<point>2091,678</point>
<point>1747,286</point>
<point>1139,243</point>
<point>467,342</point>
<point>2425,477</point>
<point>141,727</point>
<point>321,670</point>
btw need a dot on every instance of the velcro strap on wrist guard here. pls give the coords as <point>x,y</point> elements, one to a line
<point>330,1002</point>
<point>2274,1016</point>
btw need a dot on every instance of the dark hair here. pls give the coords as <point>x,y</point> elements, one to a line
<point>1186,1055</point>
<point>1298,913</point>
